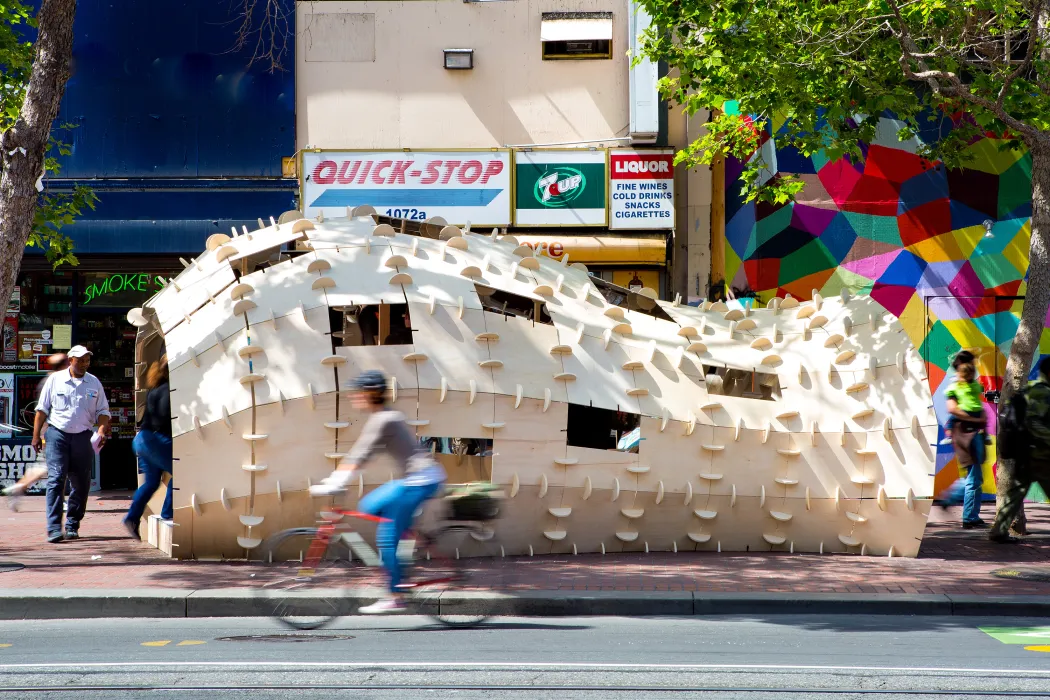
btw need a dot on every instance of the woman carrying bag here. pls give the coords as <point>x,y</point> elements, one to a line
<point>152,445</point>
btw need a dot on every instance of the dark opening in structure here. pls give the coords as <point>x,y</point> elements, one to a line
<point>601,428</point>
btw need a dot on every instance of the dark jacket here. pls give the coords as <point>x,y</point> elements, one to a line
<point>158,410</point>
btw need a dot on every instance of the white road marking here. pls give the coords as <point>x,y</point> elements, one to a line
<point>454,665</point>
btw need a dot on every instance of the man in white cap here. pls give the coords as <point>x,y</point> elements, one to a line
<point>71,403</point>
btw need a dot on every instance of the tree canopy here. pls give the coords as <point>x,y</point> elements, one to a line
<point>824,72</point>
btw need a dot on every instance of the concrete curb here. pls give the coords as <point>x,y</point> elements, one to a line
<point>17,604</point>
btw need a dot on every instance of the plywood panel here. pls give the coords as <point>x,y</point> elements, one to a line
<point>203,392</point>
<point>291,356</point>
<point>453,354</point>
<point>281,290</point>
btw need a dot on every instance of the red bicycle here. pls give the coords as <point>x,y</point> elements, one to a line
<point>306,571</point>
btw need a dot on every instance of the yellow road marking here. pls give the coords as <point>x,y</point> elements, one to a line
<point>4,646</point>
<point>190,643</point>
<point>161,643</point>
<point>1041,647</point>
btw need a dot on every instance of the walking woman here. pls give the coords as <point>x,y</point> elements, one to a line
<point>152,445</point>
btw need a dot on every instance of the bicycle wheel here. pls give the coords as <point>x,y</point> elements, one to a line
<point>450,564</point>
<point>303,578</point>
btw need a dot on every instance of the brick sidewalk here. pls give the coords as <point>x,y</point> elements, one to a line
<point>952,561</point>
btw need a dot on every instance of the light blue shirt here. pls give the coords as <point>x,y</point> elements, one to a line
<point>73,405</point>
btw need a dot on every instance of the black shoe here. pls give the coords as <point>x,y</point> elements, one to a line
<point>974,525</point>
<point>132,528</point>
<point>72,535</point>
<point>1003,539</point>
<point>54,537</point>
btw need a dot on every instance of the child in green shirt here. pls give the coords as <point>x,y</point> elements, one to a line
<point>966,392</point>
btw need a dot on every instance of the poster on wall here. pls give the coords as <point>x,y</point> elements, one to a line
<point>9,339</point>
<point>560,188</point>
<point>27,389</point>
<point>7,405</point>
<point>17,456</point>
<point>636,280</point>
<point>33,343</point>
<point>641,189</point>
<point>14,304</point>
<point>459,186</point>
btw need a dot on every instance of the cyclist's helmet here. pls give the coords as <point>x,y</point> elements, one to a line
<point>371,380</point>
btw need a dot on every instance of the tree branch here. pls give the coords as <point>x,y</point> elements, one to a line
<point>955,87</point>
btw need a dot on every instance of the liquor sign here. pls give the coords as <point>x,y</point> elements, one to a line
<point>641,189</point>
<point>560,188</point>
<point>459,186</point>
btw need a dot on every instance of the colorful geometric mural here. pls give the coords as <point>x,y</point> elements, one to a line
<point>944,250</point>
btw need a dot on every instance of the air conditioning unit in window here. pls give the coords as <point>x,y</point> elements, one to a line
<point>576,35</point>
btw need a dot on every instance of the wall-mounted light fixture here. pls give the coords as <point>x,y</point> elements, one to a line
<point>459,59</point>
<point>988,224</point>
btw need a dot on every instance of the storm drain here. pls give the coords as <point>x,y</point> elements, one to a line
<point>291,637</point>
<point>1023,574</point>
<point>6,566</point>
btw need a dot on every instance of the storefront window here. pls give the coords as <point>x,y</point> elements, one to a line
<point>50,312</point>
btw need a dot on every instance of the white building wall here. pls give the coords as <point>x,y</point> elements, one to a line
<point>370,75</point>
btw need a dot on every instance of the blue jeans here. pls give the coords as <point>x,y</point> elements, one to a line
<point>154,453</point>
<point>972,491</point>
<point>397,503</point>
<point>69,458</point>
<point>967,493</point>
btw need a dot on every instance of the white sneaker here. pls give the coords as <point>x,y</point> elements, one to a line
<point>14,496</point>
<point>326,489</point>
<point>384,606</point>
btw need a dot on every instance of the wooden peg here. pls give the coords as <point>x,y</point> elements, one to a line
<point>546,399</point>
<point>432,305</point>
<point>519,391</point>
<point>473,390</point>
<point>444,390</point>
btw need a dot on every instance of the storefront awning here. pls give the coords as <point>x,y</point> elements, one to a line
<point>599,250</point>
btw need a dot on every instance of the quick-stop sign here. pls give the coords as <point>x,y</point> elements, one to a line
<point>641,189</point>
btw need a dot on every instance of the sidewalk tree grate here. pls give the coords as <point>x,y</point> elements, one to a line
<point>291,637</point>
<point>6,566</point>
<point>1027,574</point>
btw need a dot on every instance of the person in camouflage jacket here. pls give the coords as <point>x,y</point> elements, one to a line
<point>1037,468</point>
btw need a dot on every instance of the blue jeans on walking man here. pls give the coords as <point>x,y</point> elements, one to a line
<point>69,459</point>
<point>155,457</point>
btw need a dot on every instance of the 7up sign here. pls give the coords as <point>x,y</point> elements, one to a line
<point>560,188</point>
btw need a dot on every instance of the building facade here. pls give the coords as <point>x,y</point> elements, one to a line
<point>461,110</point>
<point>179,138</point>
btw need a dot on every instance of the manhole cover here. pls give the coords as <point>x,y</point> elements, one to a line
<point>285,638</point>
<point>1023,574</point>
<point>10,566</point>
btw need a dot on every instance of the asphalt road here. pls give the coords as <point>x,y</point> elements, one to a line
<point>528,658</point>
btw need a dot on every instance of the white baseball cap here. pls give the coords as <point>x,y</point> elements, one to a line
<point>78,351</point>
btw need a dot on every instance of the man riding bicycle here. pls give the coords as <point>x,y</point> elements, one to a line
<point>395,501</point>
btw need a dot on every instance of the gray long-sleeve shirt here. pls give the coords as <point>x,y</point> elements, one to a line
<point>387,431</point>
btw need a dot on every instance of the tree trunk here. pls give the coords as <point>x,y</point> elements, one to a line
<point>23,146</point>
<point>1037,300</point>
